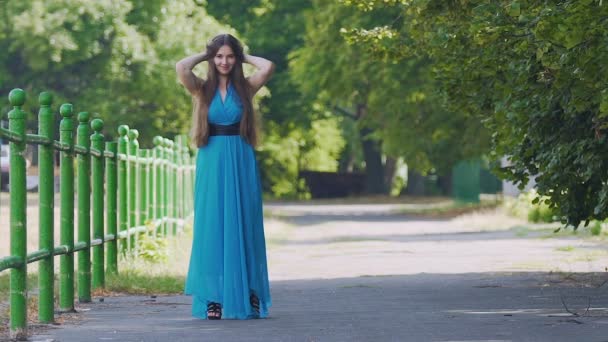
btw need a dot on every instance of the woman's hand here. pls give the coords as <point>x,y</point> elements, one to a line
<point>260,77</point>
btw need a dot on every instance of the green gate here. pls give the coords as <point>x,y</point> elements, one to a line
<point>465,181</point>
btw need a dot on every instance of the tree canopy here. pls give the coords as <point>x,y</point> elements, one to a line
<point>114,58</point>
<point>533,71</point>
<point>403,111</point>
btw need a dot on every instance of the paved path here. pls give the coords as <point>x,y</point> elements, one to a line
<point>365,273</point>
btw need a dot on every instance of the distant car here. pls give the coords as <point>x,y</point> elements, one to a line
<point>5,165</point>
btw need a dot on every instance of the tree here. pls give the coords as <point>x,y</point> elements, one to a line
<point>113,58</point>
<point>533,71</point>
<point>393,100</point>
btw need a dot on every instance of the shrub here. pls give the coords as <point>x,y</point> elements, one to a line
<point>533,207</point>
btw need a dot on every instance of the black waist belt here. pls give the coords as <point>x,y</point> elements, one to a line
<point>233,129</point>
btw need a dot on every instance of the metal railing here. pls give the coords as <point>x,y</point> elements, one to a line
<point>120,187</point>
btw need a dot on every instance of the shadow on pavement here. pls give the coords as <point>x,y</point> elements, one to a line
<point>420,307</point>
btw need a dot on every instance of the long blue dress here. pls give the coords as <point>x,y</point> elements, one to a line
<point>228,260</point>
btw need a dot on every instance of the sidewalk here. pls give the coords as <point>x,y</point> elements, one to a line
<point>424,307</point>
<point>368,273</point>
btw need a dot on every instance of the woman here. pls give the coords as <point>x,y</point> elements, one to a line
<point>227,275</point>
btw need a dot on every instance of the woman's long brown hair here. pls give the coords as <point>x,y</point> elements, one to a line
<point>202,100</point>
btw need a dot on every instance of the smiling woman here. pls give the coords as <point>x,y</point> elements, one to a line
<point>224,60</point>
<point>228,271</point>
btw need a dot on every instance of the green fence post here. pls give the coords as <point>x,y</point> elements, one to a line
<point>111,190</point>
<point>123,205</point>
<point>186,173</point>
<point>150,186</point>
<point>165,185</point>
<point>133,167</point>
<point>66,261</point>
<point>193,178</point>
<point>98,280</point>
<point>143,191</point>
<point>158,175</point>
<point>177,185</point>
<point>189,182</point>
<point>46,272</point>
<point>84,208</point>
<point>18,224</point>
<point>168,185</point>
<point>176,193</point>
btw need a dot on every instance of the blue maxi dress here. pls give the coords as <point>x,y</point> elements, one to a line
<point>228,260</point>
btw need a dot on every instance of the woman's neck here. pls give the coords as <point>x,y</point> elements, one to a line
<point>224,81</point>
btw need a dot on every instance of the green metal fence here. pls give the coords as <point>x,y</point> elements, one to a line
<point>121,189</point>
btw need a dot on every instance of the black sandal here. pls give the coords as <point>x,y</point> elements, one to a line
<point>255,304</point>
<point>214,311</point>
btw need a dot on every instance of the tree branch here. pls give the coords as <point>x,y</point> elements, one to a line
<point>343,111</point>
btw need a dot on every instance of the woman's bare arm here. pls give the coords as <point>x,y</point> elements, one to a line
<point>265,70</point>
<point>185,74</point>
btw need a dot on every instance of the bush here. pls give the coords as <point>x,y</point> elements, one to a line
<point>531,206</point>
<point>152,249</point>
<point>596,228</point>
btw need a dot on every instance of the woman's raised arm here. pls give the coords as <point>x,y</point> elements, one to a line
<point>185,74</point>
<point>265,70</point>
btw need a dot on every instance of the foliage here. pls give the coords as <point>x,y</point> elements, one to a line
<point>138,282</point>
<point>534,71</point>
<point>403,108</point>
<point>152,249</point>
<point>114,58</point>
<point>596,228</point>
<point>322,145</point>
<point>259,22</point>
<point>530,206</point>
<point>297,134</point>
<point>282,157</point>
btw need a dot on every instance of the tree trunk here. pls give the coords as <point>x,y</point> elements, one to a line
<point>374,170</point>
<point>415,184</point>
<point>445,183</point>
<point>390,170</point>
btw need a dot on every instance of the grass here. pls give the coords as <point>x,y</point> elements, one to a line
<point>565,249</point>
<point>450,208</point>
<point>136,282</point>
<point>590,232</point>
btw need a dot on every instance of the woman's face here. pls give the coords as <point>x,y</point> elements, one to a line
<point>224,60</point>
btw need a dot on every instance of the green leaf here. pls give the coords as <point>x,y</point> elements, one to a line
<point>514,9</point>
<point>604,103</point>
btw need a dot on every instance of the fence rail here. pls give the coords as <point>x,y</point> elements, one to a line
<point>122,191</point>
